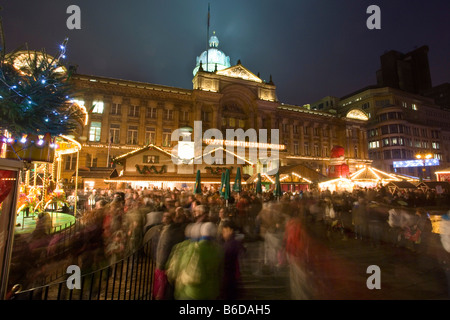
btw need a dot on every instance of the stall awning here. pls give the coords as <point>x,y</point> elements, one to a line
<point>369,173</point>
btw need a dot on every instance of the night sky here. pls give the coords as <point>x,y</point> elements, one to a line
<point>312,48</point>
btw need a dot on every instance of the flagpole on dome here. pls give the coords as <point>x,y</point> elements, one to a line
<point>207,39</point>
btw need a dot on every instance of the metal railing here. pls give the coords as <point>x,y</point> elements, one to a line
<point>66,235</point>
<point>128,279</point>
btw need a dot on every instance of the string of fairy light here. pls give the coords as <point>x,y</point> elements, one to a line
<point>61,55</point>
<point>42,78</point>
<point>30,85</point>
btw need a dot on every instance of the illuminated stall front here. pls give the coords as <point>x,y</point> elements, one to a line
<point>370,177</point>
<point>154,167</point>
<point>443,175</point>
<point>293,178</point>
<point>337,185</point>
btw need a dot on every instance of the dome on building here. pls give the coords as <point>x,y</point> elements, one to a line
<point>213,58</point>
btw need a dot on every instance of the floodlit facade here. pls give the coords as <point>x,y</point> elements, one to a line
<point>404,130</point>
<point>126,115</point>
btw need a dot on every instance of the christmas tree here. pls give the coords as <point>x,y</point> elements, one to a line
<point>36,94</point>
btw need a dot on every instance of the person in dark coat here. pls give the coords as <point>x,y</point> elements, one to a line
<point>232,251</point>
<point>172,232</point>
<point>359,217</point>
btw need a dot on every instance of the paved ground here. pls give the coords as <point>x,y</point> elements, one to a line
<point>340,267</point>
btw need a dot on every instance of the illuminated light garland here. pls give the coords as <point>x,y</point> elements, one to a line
<point>443,172</point>
<point>341,183</point>
<point>357,173</point>
<point>218,170</point>
<point>389,175</point>
<point>149,169</point>
<point>228,151</point>
<point>405,177</point>
<point>374,173</point>
<point>246,144</point>
<point>69,151</point>
<point>148,147</point>
<point>34,83</point>
<point>162,181</point>
<point>112,147</point>
<point>265,174</point>
<point>300,177</point>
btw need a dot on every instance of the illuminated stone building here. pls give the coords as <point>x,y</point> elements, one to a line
<point>401,126</point>
<point>127,115</point>
<point>407,116</point>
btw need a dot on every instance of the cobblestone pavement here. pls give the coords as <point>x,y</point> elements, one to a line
<point>341,266</point>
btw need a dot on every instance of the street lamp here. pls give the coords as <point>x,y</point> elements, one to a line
<point>423,157</point>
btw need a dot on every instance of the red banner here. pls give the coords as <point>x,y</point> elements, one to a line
<point>7,181</point>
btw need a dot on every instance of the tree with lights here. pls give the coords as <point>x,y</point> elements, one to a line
<point>36,95</point>
<point>36,105</point>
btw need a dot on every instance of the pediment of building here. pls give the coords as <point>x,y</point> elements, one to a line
<point>240,72</point>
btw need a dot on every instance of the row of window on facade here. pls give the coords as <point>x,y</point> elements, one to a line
<point>400,141</point>
<point>400,128</point>
<point>132,134</point>
<point>150,138</point>
<point>91,161</point>
<point>150,112</point>
<point>390,154</point>
<point>316,150</point>
<point>315,131</point>
<point>206,116</point>
<point>168,114</point>
<point>382,103</point>
<point>95,131</point>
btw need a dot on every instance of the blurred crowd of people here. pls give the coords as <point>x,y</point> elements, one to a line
<point>198,240</point>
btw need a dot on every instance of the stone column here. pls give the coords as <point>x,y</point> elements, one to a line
<point>159,127</point>
<point>124,116</point>
<point>141,130</point>
<point>301,146</point>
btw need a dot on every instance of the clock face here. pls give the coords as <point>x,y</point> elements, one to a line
<point>22,58</point>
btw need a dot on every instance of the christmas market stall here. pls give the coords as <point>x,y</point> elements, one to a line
<point>337,185</point>
<point>265,181</point>
<point>154,167</point>
<point>443,175</point>
<point>395,186</point>
<point>295,178</point>
<point>439,187</point>
<point>370,177</point>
